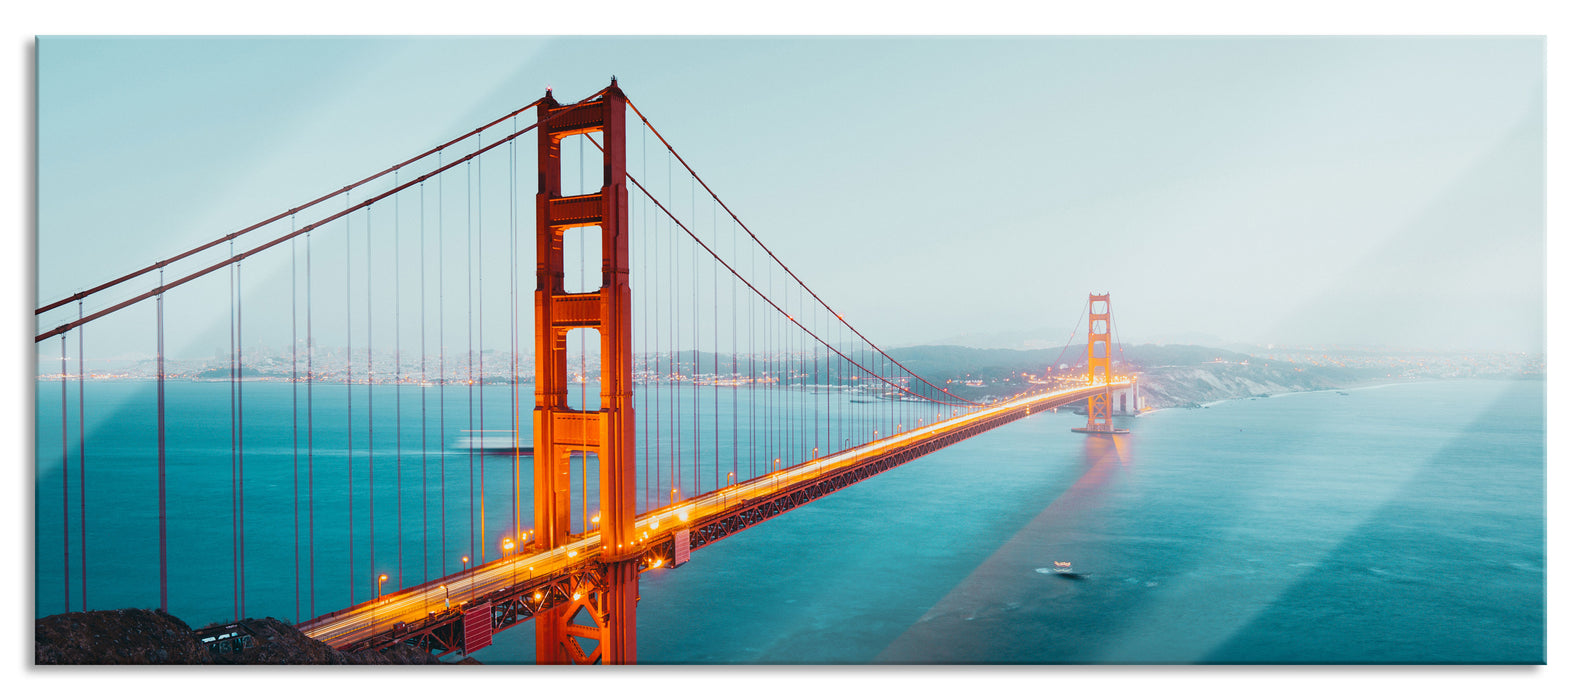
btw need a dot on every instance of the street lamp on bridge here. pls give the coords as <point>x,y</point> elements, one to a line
<point>379,584</point>
<point>506,548</point>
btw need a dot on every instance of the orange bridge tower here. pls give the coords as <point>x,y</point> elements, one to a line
<point>605,613</point>
<point>1099,351</point>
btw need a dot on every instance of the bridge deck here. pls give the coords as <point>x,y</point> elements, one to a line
<point>519,587</point>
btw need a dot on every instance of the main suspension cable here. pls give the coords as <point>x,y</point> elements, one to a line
<point>289,212</point>
<point>791,276</point>
<point>277,241</point>
<point>780,309</point>
<point>777,258</point>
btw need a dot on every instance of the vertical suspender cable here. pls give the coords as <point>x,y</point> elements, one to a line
<point>307,246</point>
<point>1115,338</point>
<point>767,376</point>
<point>472,535</point>
<point>483,550</point>
<point>444,521</point>
<point>697,417</point>
<point>773,360</point>
<point>648,438</point>
<point>516,417</point>
<point>651,345</point>
<point>236,582</point>
<point>777,344</point>
<point>422,355</point>
<point>788,446</point>
<point>752,371</point>
<point>65,482</point>
<point>159,312</point>
<point>794,442</point>
<point>82,469</point>
<point>296,506</point>
<point>368,243</point>
<point>736,376</point>
<point>716,304</point>
<point>675,333</point>
<point>400,381</point>
<point>351,548</point>
<point>241,457</point>
<point>653,235</point>
<point>640,349</point>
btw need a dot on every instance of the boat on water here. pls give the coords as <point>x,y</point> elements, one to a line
<point>501,444</point>
<point>1063,569</point>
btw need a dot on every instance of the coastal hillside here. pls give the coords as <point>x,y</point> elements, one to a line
<point>1188,375</point>
<point>1173,386</point>
<point>135,636</point>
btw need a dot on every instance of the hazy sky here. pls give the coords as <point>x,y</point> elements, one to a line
<point>1377,191</point>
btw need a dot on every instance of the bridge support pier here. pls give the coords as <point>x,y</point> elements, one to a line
<point>597,626</point>
<point>603,613</point>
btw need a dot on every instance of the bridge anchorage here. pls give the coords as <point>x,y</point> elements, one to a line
<point>1100,405</point>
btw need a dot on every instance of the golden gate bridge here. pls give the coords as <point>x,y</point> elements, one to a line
<point>686,385</point>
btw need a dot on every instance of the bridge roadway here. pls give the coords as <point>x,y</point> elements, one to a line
<point>518,587</point>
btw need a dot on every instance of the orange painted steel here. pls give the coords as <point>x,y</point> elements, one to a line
<point>608,432</point>
<point>1100,349</point>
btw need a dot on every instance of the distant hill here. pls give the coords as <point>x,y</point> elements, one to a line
<point>1172,375</point>
<point>956,361</point>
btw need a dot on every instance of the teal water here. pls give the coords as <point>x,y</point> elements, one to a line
<point>1397,524</point>
<point>297,536</point>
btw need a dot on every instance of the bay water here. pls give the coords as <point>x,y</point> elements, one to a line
<point>1398,524</point>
